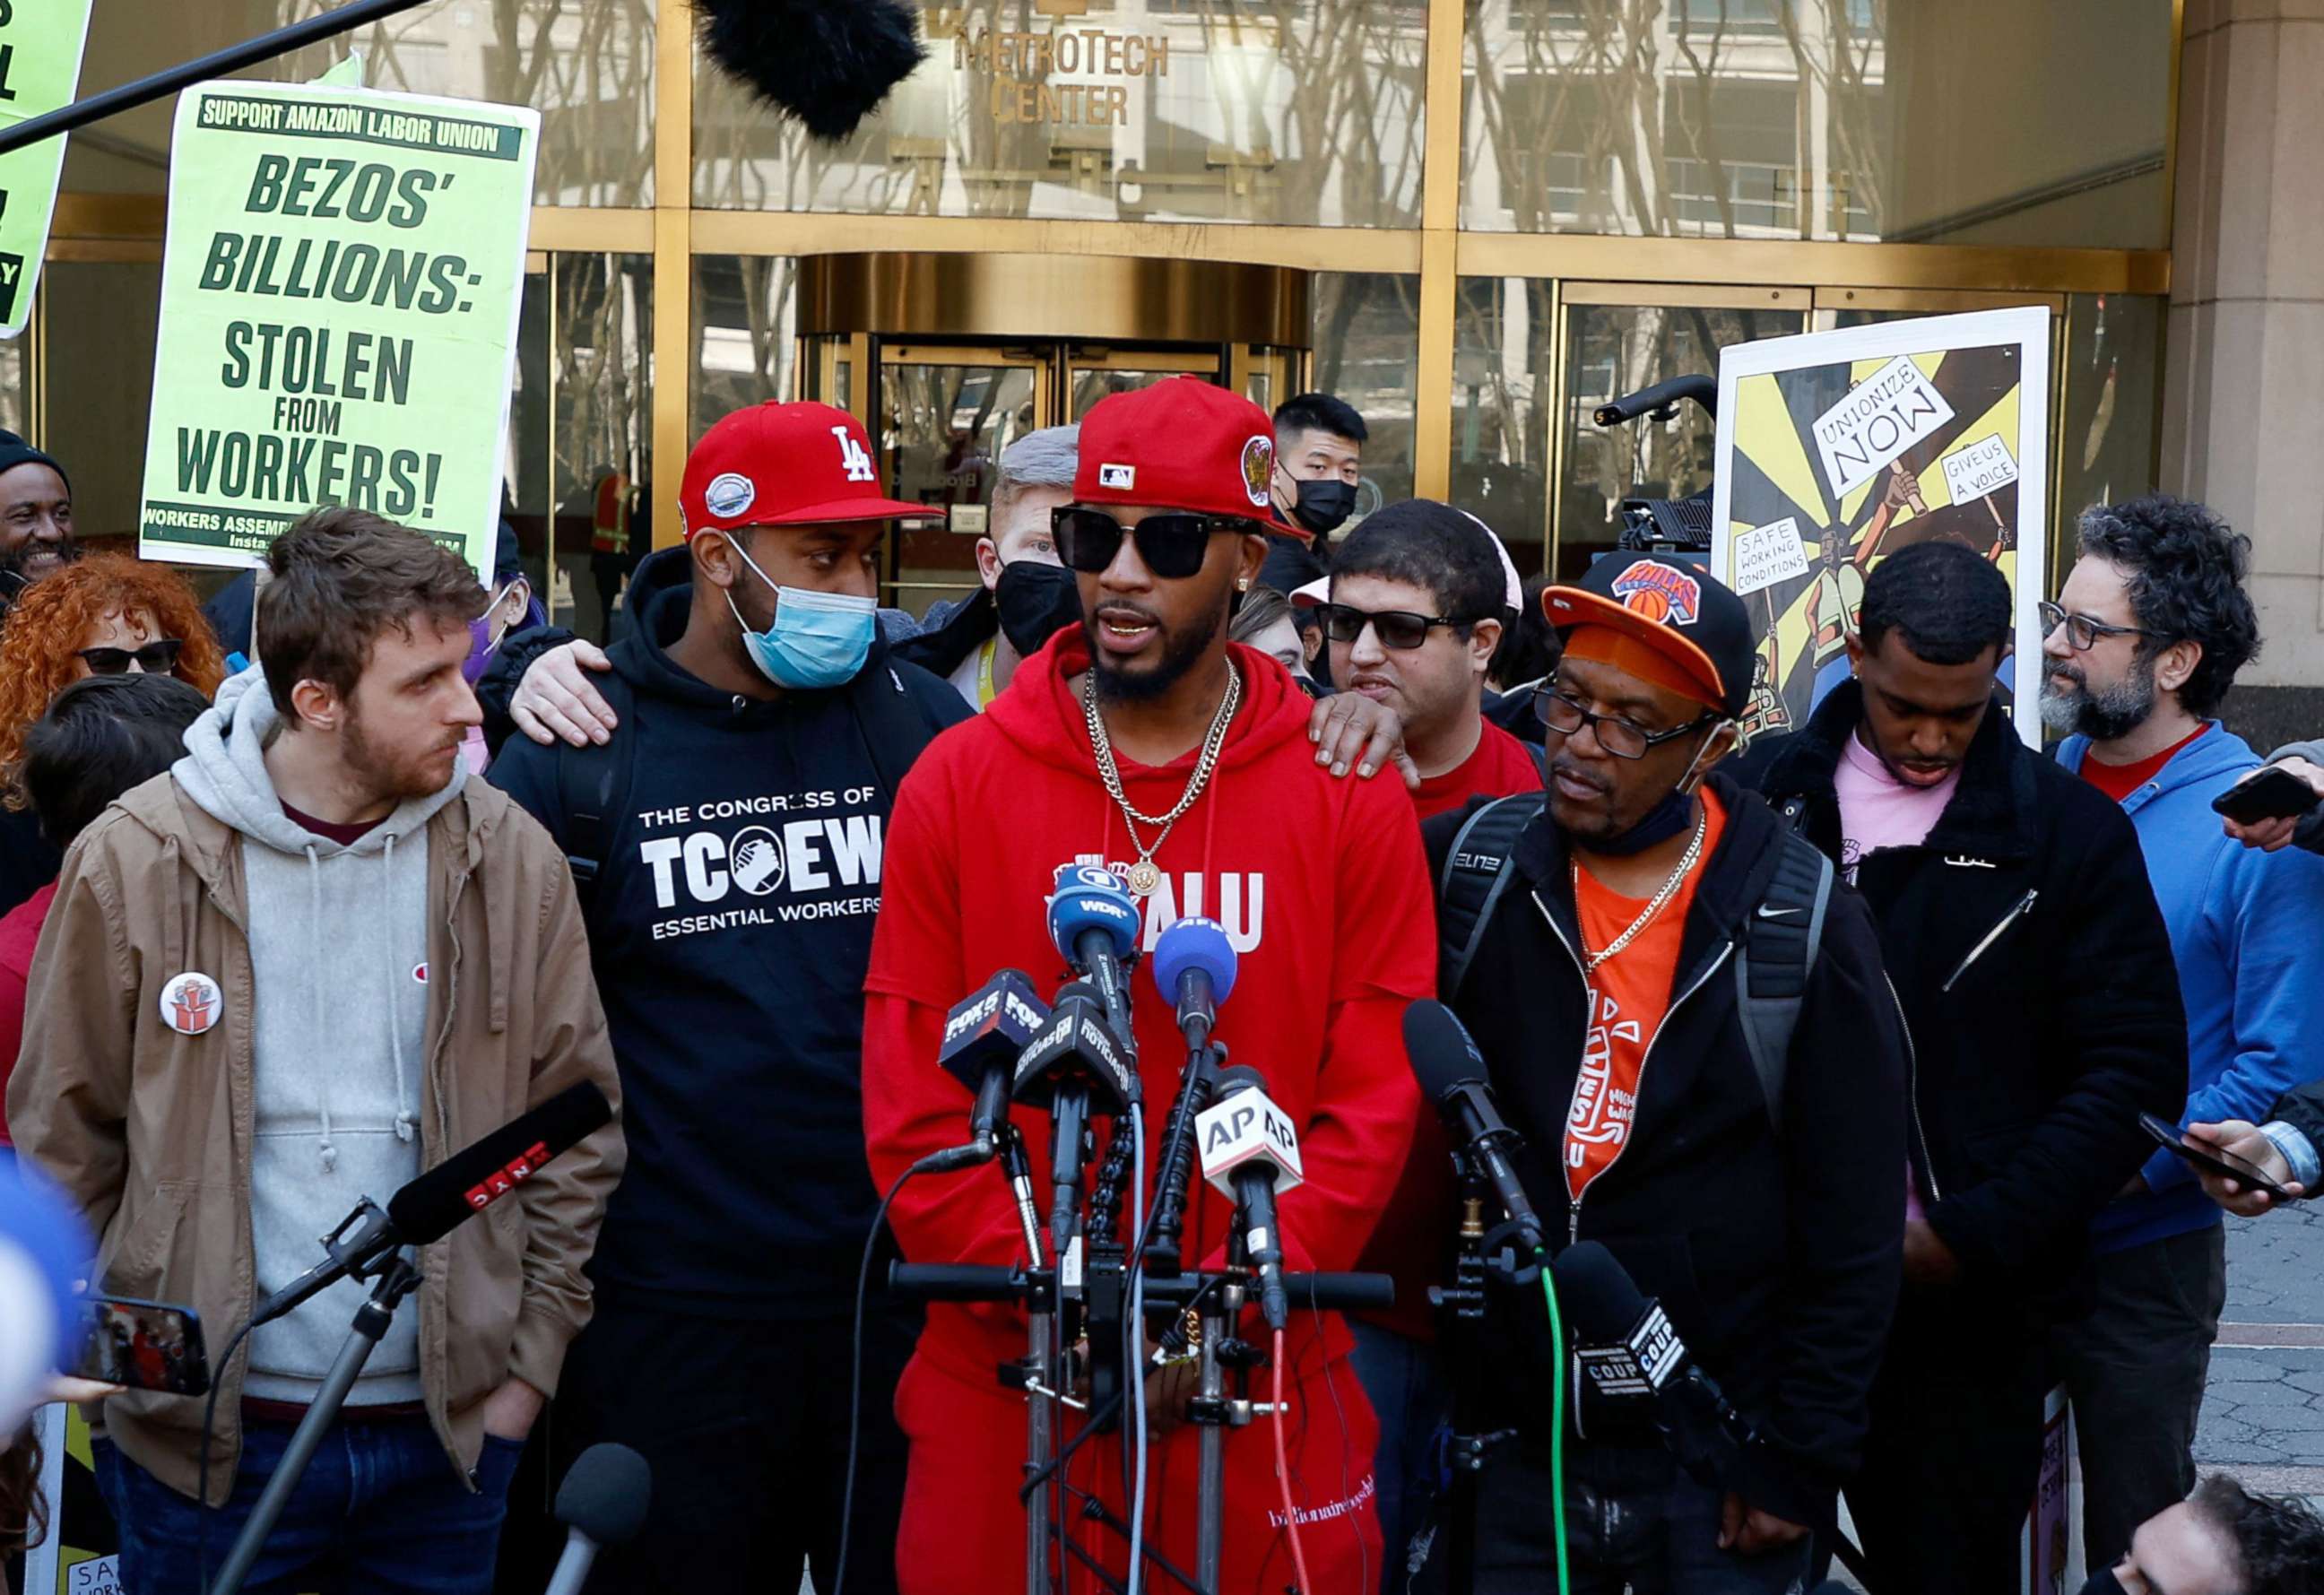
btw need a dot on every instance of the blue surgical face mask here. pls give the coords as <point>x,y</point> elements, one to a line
<point>816,639</point>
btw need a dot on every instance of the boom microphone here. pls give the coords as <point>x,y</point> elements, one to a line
<point>1251,1153</point>
<point>984,1034</point>
<point>827,62</point>
<point>602,1502</point>
<point>1704,1432</point>
<point>1194,968</point>
<point>463,1185</point>
<point>1452,1074</point>
<point>1094,924</point>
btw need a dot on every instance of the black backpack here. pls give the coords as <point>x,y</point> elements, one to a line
<point>593,783</point>
<point>1780,942</point>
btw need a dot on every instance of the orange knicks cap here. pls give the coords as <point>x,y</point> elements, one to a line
<point>1662,620</point>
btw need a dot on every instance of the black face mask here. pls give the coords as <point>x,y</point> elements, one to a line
<point>1665,820</point>
<point>1035,600</point>
<point>1323,506</point>
<point>2102,1582</point>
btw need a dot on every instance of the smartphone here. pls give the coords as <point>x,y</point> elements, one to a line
<point>2213,1160</point>
<point>2270,794</point>
<point>143,1345</point>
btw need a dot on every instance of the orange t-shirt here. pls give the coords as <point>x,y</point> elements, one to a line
<point>1629,995</point>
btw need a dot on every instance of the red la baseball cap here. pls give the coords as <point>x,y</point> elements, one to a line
<point>1181,444</point>
<point>784,465</point>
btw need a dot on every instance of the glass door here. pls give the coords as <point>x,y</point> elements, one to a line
<point>1094,371</point>
<point>941,416</point>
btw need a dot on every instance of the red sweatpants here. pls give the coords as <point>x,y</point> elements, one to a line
<point>963,1531</point>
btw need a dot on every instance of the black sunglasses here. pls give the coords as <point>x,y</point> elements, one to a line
<point>1621,738</point>
<point>158,658</point>
<point>1399,629</point>
<point>1171,545</point>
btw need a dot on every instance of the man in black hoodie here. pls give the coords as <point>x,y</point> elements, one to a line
<point>728,842</point>
<point>1744,1173</point>
<point>2035,972</point>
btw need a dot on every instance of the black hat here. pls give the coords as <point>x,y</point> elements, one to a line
<point>1687,632</point>
<point>14,451</point>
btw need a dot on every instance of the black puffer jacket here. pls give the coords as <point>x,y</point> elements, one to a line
<point>1776,1258</point>
<point>2035,972</point>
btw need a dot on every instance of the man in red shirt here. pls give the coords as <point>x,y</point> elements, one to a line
<point>1321,887</point>
<point>1419,596</point>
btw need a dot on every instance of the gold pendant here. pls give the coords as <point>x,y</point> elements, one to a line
<point>1144,878</point>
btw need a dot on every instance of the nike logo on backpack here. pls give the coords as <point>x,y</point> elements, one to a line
<point>1769,911</point>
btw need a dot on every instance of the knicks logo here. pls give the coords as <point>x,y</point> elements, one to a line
<point>1664,594</point>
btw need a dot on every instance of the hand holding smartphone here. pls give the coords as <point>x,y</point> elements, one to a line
<point>143,1346</point>
<point>2273,793</point>
<point>2215,1160</point>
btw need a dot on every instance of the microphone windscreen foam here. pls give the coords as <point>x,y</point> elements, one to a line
<point>606,1494</point>
<point>1439,1046</point>
<point>827,62</point>
<point>1194,943</point>
<point>1597,1293</point>
<point>476,1176</point>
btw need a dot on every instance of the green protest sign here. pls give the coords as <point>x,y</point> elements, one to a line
<point>40,67</point>
<point>339,298</point>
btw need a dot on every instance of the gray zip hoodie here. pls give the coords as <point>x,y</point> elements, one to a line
<point>338,940</point>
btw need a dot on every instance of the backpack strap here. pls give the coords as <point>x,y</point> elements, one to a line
<point>1478,870</point>
<point>1778,951</point>
<point>593,788</point>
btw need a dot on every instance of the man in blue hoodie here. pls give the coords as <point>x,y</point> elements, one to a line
<point>727,838</point>
<point>2149,630</point>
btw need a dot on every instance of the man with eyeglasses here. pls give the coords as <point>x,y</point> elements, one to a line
<point>1740,1162</point>
<point>2144,641</point>
<point>1143,743</point>
<point>2017,925</point>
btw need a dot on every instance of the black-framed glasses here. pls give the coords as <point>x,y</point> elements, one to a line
<point>1399,629</point>
<point>1171,545</point>
<point>1621,738</point>
<point>157,658</point>
<point>2082,633</point>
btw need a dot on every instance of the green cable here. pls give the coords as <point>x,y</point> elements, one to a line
<point>1557,1425</point>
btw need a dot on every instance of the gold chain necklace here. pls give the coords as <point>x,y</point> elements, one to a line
<point>1144,876</point>
<point>1660,898</point>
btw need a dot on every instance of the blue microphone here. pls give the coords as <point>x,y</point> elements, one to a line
<point>44,1249</point>
<point>1094,923</point>
<point>1194,968</point>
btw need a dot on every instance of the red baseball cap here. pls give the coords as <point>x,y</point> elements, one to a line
<point>1181,444</point>
<point>784,465</point>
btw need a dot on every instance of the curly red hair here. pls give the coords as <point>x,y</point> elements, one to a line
<point>51,622</point>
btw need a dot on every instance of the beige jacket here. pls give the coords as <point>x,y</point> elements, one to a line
<point>150,1128</point>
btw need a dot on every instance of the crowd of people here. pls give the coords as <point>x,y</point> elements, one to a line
<point>1838,1042</point>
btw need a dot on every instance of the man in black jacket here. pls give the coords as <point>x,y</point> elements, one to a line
<point>1762,1207</point>
<point>728,842</point>
<point>2024,943</point>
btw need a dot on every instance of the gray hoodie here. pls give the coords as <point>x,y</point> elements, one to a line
<point>338,940</point>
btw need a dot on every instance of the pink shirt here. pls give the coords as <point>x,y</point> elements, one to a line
<point>1876,810</point>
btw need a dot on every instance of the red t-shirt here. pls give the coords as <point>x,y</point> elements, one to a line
<point>2118,781</point>
<point>20,934</point>
<point>1629,993</point>
<point>1320,883</point>
<point>1500,765</point>
<point>1415,1239</point>
<point>346,836</point>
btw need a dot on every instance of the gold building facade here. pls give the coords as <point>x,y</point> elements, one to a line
<point>1474,219</point>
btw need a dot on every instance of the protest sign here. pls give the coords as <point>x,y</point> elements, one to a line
<point>339,299</point>
<point>1835,449</point>
<point>39,68</point>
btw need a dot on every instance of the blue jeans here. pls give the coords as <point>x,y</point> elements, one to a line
<point>1405,1381</point>
<point>379,1511</point>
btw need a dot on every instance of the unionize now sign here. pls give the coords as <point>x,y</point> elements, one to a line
<point>339,299</point>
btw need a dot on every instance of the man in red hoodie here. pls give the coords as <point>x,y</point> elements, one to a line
<point>1320,885</point>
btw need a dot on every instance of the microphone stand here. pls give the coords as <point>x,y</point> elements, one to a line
<point>399,1278</point>
<point>1041,1377</point>
<point>1461,1313</point>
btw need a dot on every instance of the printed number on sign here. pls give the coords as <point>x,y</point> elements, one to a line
<point>855,457</point>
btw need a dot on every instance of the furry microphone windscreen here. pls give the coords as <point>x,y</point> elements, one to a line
<point>827,62</point>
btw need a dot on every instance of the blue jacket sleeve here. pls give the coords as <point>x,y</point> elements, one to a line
<point>2263,909</point>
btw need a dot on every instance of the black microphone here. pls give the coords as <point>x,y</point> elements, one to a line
<point>465,1183</point>
<point>984,1034</point>
<point>1452,1074</point>
<point>602,1502</point>
<point>1701,1427</point>
<point>1076,1049</point>
<point>1094,923</point>
<point>1251,1152</point>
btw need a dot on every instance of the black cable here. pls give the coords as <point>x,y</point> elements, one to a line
<point>1050,1469</point>
<point>855,1377</point>
<point>202,1469</point>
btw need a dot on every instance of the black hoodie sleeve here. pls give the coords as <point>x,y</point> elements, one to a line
<point>1843,1150</point>
<point>497,690</point>
<point>2120,1014</point>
